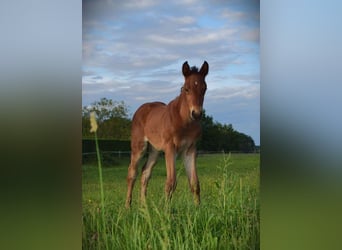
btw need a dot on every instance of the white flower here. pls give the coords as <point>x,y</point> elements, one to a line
<point>93,123</point>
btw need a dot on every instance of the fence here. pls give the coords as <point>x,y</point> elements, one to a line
<point>107,157</point>
<point>114,157</point>
<point>113,151</point>
<point>88,145</point>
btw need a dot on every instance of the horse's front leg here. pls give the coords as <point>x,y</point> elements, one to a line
<point>171,182</point>
<point>190,166</point>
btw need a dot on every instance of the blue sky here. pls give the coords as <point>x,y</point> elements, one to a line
<point>134,50</point>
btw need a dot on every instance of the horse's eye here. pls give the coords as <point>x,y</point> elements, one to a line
<point>186,90</point>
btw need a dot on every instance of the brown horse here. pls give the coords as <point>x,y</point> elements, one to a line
<point>172,128</point>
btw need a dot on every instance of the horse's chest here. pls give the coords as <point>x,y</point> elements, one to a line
<point>185,140</point>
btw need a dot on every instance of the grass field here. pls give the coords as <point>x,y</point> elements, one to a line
<point>228,217</point>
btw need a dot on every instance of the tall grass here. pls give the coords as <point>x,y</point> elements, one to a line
<point>101,226</point>
<point>228,217</point>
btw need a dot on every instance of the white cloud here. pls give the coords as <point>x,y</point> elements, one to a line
<point>140,4</point>
<point>231,15</point>
<point>178,20</point>
<point>198,37</point>
<point>238,92</point>
<point>251,35</point>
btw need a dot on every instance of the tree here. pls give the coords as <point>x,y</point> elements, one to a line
<point>112,118</point>
<point>106,109</point>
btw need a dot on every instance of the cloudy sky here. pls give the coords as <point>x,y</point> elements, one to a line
<point>134,50</point>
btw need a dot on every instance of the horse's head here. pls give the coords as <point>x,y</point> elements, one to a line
<point>194,88</point>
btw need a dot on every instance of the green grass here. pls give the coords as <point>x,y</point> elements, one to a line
<point>228,217</point>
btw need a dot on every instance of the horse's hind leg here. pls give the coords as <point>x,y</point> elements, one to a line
<point>138,149</point>
<point>147,170</point>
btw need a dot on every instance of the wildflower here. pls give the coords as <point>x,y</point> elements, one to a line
<point>93,123</point>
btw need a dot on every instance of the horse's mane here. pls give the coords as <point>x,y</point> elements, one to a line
<point>193,69</point>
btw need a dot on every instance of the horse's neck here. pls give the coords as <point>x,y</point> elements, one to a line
<point>179,110</point>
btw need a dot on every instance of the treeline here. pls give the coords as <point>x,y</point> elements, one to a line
<point>114,124</point>
<point>219,137</point>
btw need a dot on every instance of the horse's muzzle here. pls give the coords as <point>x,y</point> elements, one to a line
<point>196,115</point>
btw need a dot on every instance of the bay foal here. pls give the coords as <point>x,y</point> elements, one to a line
<point>173,128</point>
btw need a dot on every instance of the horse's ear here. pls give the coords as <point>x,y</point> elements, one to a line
<point>186,69</point>
<point>204,69</point>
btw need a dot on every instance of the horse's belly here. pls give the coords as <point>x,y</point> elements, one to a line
<point>179,146</point>
<point>156,143</point>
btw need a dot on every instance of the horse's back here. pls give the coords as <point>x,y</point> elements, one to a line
<point>144,113</point>
<point>144,110</point>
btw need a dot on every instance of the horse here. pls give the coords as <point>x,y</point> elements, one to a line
<point>173,128</point>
